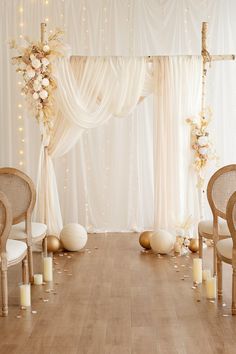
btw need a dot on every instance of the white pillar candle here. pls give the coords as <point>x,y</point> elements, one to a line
<point>197,270</point>
<point>211,288</point>
<point>38,279</point>
<point>25,296</point>
<point>47,269</point>
<point>206,273</point>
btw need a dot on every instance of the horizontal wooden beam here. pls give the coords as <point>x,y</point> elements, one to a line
<point>211,57</point>
<point>222,57</point>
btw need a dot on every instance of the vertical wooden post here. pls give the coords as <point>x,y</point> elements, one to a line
<point>204,63</point>
<point>205,59</point>
<point>43,32</point>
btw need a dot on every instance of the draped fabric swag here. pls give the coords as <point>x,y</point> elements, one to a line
<point>92,90</point>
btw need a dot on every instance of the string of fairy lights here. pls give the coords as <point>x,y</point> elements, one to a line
<point>20,104</point>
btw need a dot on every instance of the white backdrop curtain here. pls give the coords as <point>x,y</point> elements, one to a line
<point>105,181</point>
<point>177,95</point>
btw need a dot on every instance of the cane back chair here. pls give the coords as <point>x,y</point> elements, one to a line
<point>20,191</point>
<point>226,251</point>
<point>220,187</point>
<point>12,251</point>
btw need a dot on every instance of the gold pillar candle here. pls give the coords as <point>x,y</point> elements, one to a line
<point>197,270</point>
<point>211,288</point>
<point>47,269</point>
<point>25,295</point>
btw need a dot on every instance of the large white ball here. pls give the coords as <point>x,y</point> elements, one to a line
<point>162,242</point>
<point>73,237</point>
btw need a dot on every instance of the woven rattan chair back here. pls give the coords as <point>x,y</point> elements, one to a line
<point>231,218</point>
<point>5,221</point>
<point>20,192</point>
<point>220,188</point>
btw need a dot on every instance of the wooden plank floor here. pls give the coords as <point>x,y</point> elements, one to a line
<point>114,299</point>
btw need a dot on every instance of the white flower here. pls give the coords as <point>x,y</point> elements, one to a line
<point>203,151</point>
<point>202,140</point>
<point>35,96</point>
<point>43,94</point>
<point>46,48</point>
<point>39,77</point>
<point>22,66</point>
<point>41,114</point>
<point>180,232</point>
<point>45,61</point>
<point>36,63</point>
<point>45,82</point>
<point>32,57</point>
<point>30,73</point>
<point>37,86</point>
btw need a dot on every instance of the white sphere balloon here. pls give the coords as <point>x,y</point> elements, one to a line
<point>162,242</point>
<point>73,237</point>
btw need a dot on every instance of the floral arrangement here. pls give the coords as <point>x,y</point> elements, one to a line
<point>34,62</point>
<point>201,143</point>
<point>183,235</point>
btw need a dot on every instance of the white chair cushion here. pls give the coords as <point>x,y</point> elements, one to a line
<point>15,250</point>
<point>206,226</point>
<point>18,231</point>
<point>224,248</point>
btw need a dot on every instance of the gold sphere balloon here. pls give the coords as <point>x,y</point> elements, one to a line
<point>193,245</point>
<point>144,239</point>
<point>53,243</point>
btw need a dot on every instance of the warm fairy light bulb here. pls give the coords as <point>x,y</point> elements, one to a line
<point>22,140</point>
<point>21,152</point>
<point>20,163</point>
<point>20,129</point>
<point>21,24</point>
<point>19,105</point>
<point>47,19</point>
<point>46,2</point>
<point>21,9</point>
<point>19,117</point>
<point>19,82</point>
<point>21,36</point>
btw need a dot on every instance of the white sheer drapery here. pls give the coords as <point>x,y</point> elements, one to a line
<point>86,100</point>
<point>89,92</point>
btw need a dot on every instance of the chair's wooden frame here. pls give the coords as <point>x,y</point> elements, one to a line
<point>230,221</point>
<point>26,215</point>
<point>215,236</point>
<point>4,263</point>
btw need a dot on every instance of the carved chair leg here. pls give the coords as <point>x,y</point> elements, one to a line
<point>4,293</point>
<point>45,246</point>
<point>219,277</point>
<point>234,292</point>
<point>214,260</point>
<point>25,271</point>
<point>31,267</point>
<point>200,245</point>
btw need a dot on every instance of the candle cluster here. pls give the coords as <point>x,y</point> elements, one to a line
<point>25,289</point>
<point>200,275</point>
